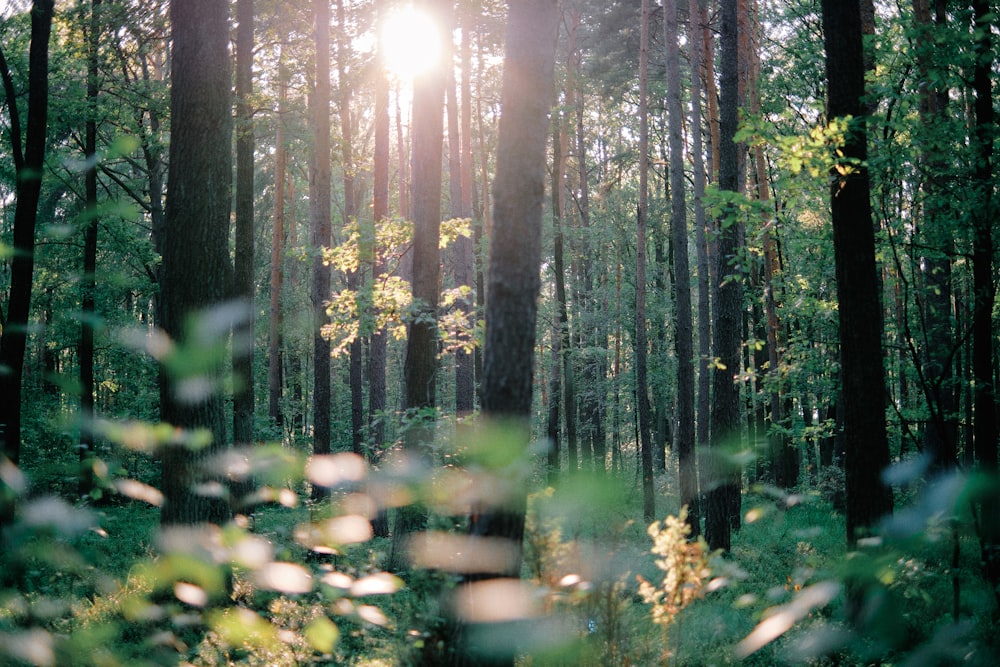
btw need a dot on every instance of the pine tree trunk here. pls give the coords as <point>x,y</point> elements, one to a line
<point>88,284</point>
<point>859,307</point>
<point>29,165</point>
<point>641,351</point>
<point>514,281</point>
<point>684,442</point>
<point>274,336</point>
<point>724,492</point>
<point>196,273</point>
<point>320,232</point>
<point>243,289</point>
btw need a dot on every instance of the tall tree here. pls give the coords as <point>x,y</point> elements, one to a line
<point>420,366</point>
<point>354,277</point>
<point>243,291</point>
<point>196,274</point>
<point>724,474</point>
<point>984,288</point>
<point>859,303</point>
<point>941,436</point>
<point>684,442</point>
<point>88,285</point>
<point>321,237</point>
<point>641,345</point>
<point>274,331</point>
<point>515,257</point>
<point>29,162</point>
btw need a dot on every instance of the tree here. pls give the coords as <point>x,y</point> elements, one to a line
<point>860,310</point>
<point>321,236</point>
<point>984,288</point>
<point>29,161</point>
<point>513,280</point>
<point>243,288</point>
<point>684,329</point>
<point>196,274</point>
<point>89,281</point>
<point>641,351</point>
<point>420,367</point>
<point>275,319</point>
<point>724,475</point>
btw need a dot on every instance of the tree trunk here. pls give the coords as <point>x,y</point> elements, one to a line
<point>723,493</point>
<point>513,282</point>
<point>319,212</point>
<point>641,347</point>
<point>274,336</point>
<point>29,165</point>
<point>354,278</point>
<point>243,289</point>
<point>860,310</point>
<point>88,284</point>
<point>684,442</point>
<point>984,289</point>
<point>420,366</point>
<point>196,273</point>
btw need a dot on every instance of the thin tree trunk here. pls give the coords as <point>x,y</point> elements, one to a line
<point>319,212</point>
<point>243,289</point>
<point>89,279</point>
<point>641,351</point>
<point>274,337</point>
<point>421,365</point>
<point>354,278</point>
<point>29,166</point>
<point>684,442</point>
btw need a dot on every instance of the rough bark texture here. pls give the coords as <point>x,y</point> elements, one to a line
<point>196,274</point>
<point>421,364</point>
<point>723,475</point>
<point>684,442</point>
<point>274,336</point>
<point>28,164</point>
<point>88,284</point>
<point>515,255</point>
<point>641,352</point>
<point>243,343</point>
<point>319,212</point>
<point>984,291</point>
<point>860,309</point>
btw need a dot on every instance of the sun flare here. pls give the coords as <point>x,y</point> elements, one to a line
<point>410,42</point>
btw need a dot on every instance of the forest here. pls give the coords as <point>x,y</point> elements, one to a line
<point>470,332</point>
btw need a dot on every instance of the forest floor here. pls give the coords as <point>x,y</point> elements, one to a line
<point>788,575</point>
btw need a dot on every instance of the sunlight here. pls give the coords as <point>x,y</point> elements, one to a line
<point>411,43</point>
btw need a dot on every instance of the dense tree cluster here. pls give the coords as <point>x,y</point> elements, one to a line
<point>717,247</point>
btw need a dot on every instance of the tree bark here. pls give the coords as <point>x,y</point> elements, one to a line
<point>723,494</point>
<point>641,351</point>
<point>860,310</point>
<point>420,366</point>
<point>243,289</point>
<point>28,165</point>
<point>984,289</point>
<point>88,285</point>
<point>196,274</point>
<point>515,257</point>
<point>321,237</point>
<point>354,278</point>
<point>684,442</point>
<point>275,335</point>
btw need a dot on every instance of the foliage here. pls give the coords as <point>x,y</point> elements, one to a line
<point>685,566</point>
